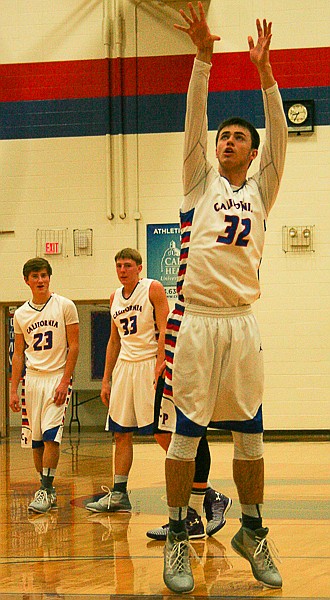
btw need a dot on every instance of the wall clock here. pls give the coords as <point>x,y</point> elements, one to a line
<point>299,115</point>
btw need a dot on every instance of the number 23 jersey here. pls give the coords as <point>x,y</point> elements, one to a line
<point>44,332</point>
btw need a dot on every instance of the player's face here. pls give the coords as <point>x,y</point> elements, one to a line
<point>234,151</point>
<point>39,282</point>
<point>128,271</point>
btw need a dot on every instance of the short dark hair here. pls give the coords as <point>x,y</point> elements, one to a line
<point>243,123</point>
<point>129,253</point>
<point>36,264</point>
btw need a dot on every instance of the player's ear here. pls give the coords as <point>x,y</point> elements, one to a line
<point>254,153</point>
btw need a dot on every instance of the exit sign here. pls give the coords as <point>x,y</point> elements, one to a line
<point>52,248</point>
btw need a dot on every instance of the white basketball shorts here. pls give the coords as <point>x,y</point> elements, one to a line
<point>42,420</point>
<point>214,374</point>
<point>132,397</point>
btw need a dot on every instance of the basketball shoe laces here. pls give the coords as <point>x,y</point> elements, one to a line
<point>108,495</point>
<point>265,550</point>
<point>177,556</point>
<point>41,495</point>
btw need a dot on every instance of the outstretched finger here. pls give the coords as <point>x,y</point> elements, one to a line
<point>264,24</point>
<point>193,12</point>
<point>259,28</point>
<point>267,28</point>
<point>250,42</point>
<point>185,17</point>
<point>180,27</point>
<point>201,11</point>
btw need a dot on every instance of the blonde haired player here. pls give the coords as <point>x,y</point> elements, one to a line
<point>135,362</point>
<point>47,341</point>
<point>135,358</point>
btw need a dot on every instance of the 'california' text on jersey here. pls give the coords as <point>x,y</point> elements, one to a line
<point>223,227</point>
<point>135,321</point>
<point>44,332</point>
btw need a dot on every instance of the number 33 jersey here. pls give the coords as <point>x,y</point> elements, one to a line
<point>44,331</point>
<point>135,321</point>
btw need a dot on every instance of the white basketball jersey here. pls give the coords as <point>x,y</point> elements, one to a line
<point>44,332</point>
<point>223,227</point>
<point>135,321</point>
<point>225,246</point>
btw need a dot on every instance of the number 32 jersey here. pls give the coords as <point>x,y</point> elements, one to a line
<point>44,332</point>
<point>135,321</point>
<point>223,227</point>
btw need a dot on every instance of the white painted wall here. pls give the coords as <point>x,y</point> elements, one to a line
<point>61,182</point>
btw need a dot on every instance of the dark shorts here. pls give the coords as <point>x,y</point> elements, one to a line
<point>158,401</point>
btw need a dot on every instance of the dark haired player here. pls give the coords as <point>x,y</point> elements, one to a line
<point>47,339</point>
<point>213,350</point>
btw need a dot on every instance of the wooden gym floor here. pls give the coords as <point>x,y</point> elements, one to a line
<point>71,554</point>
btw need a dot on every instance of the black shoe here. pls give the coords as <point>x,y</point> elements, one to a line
<point>216,505</point>
<point>194,526</point>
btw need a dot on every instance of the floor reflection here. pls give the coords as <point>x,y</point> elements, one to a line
<point>72,554</point>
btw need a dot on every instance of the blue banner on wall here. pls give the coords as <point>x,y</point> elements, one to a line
<point>163,255</point>
<point>100,332</point>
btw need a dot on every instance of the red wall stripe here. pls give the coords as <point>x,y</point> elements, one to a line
<point>306,67</point>
<point>54,80</point>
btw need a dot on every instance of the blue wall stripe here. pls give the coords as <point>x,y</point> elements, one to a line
<point>54,118</point>
<point>142,114</point>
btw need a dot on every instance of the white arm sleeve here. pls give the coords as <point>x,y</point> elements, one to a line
<point>273,153</point>
<point>197,171</point>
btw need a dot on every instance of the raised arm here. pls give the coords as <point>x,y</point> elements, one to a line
<point>259,53</point>
<point>274,147</point>
<point>197,170</point>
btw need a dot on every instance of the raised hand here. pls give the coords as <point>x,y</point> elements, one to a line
<point>197,29</point>
<point>259,53</point>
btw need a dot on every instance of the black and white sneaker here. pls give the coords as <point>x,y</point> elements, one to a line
<point>194,524</point>
<point>216,505</point>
